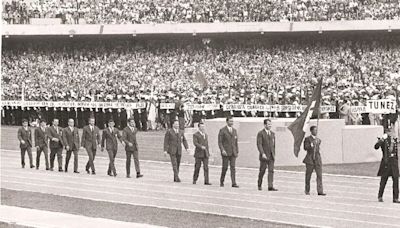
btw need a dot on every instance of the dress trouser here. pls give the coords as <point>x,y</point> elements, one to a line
<point>175,161</point>
<point>263,166</point>
<point>231,161</point>
<point>68,157</point>
<point>53,152</point>
<point>91,154</point>
<point>29,151</point>
<point>46,156</point>
<point>135,155</point>
<point>111,164</point>
<point>318,170</point>
<point>197,167</point>
<point>383,182</point>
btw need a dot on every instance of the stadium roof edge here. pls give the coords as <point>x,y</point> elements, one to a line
<point>194,29</point>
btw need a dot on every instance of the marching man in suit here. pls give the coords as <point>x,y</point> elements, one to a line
<point>71,143</point>
<point>25,143</point>
<point>201,153</point>
<point>109,137</point>
<point>56,145</point>
<point>389,164</point>
<point>131,147</point>
<point>41,143</point>
<point>228,144</point>
<point>313,160</point>
<point>90,141</point>
<point>173,146</point>
<point>266,148</point>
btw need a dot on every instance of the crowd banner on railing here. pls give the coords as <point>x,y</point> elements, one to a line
<point>273,108</point>
<point>372,106</point>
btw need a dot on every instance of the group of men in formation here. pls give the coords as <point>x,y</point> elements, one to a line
<point>58,139</point>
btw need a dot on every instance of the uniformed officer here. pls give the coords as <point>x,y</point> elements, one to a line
<point>389,164</point>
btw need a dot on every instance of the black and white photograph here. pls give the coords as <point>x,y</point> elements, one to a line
<point>200,113</point>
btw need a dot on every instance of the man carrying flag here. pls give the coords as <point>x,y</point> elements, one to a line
<point>312,143</point>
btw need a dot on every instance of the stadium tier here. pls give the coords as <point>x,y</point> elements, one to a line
<point>184,11</point>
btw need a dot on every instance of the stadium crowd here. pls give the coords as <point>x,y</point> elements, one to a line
<point>278,71</point>
<point>184,11</point>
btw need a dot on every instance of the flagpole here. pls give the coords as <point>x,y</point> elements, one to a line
<point>319,111</point>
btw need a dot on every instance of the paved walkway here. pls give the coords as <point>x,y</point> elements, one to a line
<point>351,201</point>
<point>47,219</point>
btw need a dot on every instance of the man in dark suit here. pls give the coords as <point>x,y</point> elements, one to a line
<point>389,164</point>
<point>25,143</point>
<point>266,148</point>
<point>41,143</point>
<point>90,141</point>
<point>56,145</point>
<point>228,144</point>
<point>173,146</point>
<point>109,138</point>
<point>71,143</point>
<point>201,153</point>
<point>313,160</point>
<point>131,147</point>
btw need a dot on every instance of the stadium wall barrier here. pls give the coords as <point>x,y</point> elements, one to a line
<point>200,28</point>
<point>340,143</point>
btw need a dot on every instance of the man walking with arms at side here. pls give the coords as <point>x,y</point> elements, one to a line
<point>56,145</point>
<point>109,137</point>
<point>228,144</point>
<point>173,146</point>
<point>389,164</point>
<point>25,143</point>
<point>41,143</point>
<point>71,143</point>
<point>313,160</point>
<point>90,141</point>
<point>131,147</point>
<point>266,148</point>
<point>201,153</point>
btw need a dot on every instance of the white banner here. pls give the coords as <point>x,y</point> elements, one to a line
<point>383,106</point>
<point>167,106</point>
<point>273,108</point>
<point>74,104</point>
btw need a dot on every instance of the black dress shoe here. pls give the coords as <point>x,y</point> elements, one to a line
<point>76,172</point>
<point>93,173</point>
<point>380,199</point>
<point>23,166</point>
<point>178,180</point>
<point>235,186</point>
<point>60,170</point>
<point>139,175</point>
<point>259,188</point>
<point>221,184</point>
<point>66,170</point>
<point>115,175</point>
<point>207,184</point>
<point>396,201</point>
<point>272,189</point>
<point>47,168</point>
<point>194,182</point>
<point>109,174</point>
<point>51,169</point>
<point>37,167</point>
<point>88,172</point>
<point>307,193</point>
<point>321,194</point>
<point>32,166</point>
<point>128,176</point>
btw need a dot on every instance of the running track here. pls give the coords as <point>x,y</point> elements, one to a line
<point>351,201</point>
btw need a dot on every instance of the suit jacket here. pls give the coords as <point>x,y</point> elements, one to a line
<point>52,133</point>
<point>110,139</point>
<point>173,142</point>
<point>228,141</point>
<point>90,139</point>
<point>70,138</point>
<point>25,135</point>
<point>266,144</point>
<point>312,145</point>
<point>388,163</point>
<point>41,138</point>
<point>129,136</point>
<point>199,141</point>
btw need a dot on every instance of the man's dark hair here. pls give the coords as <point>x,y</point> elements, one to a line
<point>228,118</point>
<point>43,121</point>
<point>200,123</point>
<point>130,119</point>
<point>110,120</point>
<point>266,121</point>
<point>24,120</point>
<point>312,128</point>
